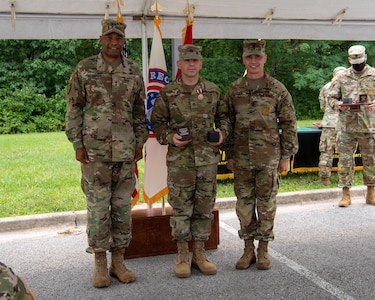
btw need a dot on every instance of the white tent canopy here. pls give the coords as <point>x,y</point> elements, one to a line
<point>267,19</point>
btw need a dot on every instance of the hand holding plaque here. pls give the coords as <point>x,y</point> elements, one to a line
<point>184,132</point>
<point>353,105</point>
<point>213,136</point>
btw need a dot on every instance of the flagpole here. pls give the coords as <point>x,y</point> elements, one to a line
<point>144,53</point>
<point>163,207</point>
<point>155,170</point>
<point>175,44</point>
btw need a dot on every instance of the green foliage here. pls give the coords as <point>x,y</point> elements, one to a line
<point>43,64</point>
<point>35,73</point>
<point>222,61</point>
<point>26,111</point>
<point>34,77</point>
<point>228,68</point>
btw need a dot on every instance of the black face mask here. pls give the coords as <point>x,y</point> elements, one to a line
<point>359,67</point>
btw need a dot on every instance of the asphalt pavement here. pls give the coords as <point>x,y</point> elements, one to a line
<point>320,251</point>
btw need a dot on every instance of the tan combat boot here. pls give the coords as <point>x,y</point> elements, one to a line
<point>200,260</point>
<point>100,278</point>
<point>370,196</point>
<point>248,256</point>
<point>263,262</point>
<point>182,266</point>
<point>323,180</point>
<point>346,199</point>
<point>118,268</point>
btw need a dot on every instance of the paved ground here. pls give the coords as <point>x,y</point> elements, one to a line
<point>320,252</point>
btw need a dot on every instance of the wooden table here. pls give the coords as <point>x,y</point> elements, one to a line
<point>152,233</point>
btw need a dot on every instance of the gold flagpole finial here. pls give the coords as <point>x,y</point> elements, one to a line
<point>189,10</point>
<point>156,7</point>
<point>118,4</point>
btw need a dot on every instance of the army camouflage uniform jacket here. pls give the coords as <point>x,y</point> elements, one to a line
<point>352,85</point>
<point>105,109</point>
<point>330,115</point>
<point>263,122</point>
<point>177,106</point>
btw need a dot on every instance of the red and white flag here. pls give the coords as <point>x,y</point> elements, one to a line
<point>135,194</point>
<point>155,172</point>
<point>187,32</point>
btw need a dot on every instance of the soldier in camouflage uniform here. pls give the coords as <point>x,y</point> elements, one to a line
<point>185,112</point>
<point>329,131</point>
<point>12,287</point>
<point>356,85</point>
<point>264,138</point>
<point>106,123</point>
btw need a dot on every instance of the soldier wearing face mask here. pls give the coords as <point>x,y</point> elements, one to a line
<point>353,94</point>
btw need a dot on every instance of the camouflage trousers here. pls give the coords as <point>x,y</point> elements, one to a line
<point>192,193</point>
<point>256,190</point>
<point>327,148</point>
<point>346,146</point>
<point>108,188</point>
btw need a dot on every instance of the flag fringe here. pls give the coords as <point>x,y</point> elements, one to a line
<point>151,200</point>
<point>135,200</point>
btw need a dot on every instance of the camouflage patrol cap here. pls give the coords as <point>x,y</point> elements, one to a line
<point>357,54</point>
<point>109,26</point>
<point>189,51</point>
<point>254,47</point>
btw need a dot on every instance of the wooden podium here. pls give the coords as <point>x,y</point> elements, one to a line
<point>152,233</point>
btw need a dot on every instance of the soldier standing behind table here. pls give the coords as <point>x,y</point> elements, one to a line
<point>106,123</point>
<point>191,117</point>
<point>264,138</point>
<point>329,131</point>
<point>355,86</point>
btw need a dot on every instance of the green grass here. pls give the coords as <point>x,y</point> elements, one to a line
<point>39,174</point>
<point>307,123</point>
<point>292,182</point>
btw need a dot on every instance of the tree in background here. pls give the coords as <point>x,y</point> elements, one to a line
<point>35,73</point>
<point>304,66</point>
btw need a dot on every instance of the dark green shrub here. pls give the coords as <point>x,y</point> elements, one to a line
<point>26,111</point>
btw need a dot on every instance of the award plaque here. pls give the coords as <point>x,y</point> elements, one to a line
<point>184,133</point>
<point>363,98</point>
<point>213,136</point>
<point>355,106</point>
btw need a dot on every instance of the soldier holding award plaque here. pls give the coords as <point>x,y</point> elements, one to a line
<point>191,117</point>
<point>353,94</point>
